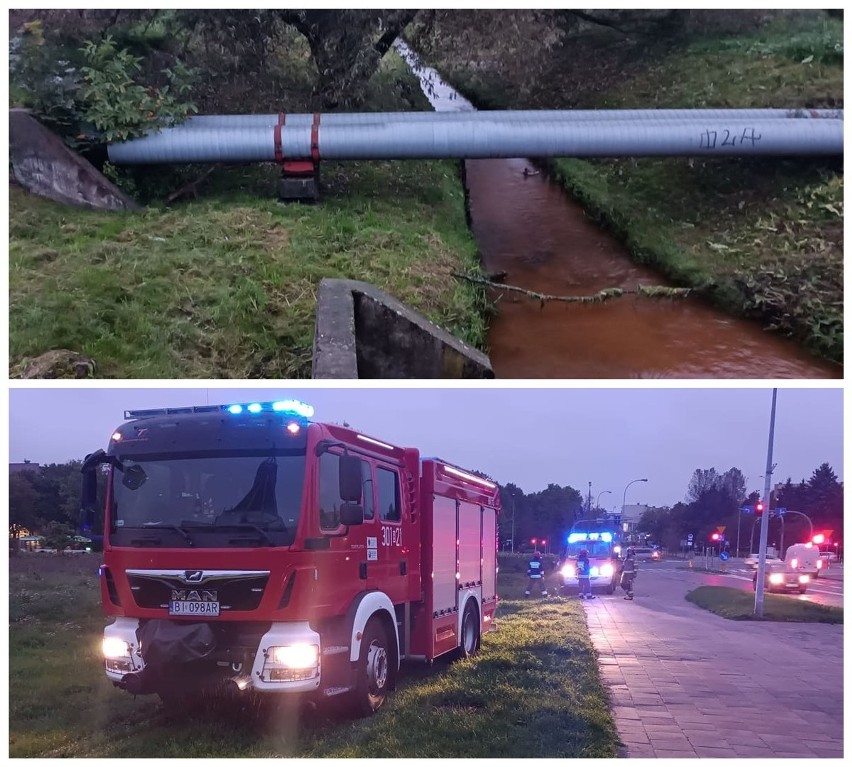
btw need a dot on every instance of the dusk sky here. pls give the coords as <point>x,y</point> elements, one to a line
<point>530,436</point>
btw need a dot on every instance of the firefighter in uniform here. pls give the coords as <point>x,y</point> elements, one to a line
<point>584,575</point>
<point>628,572</point>
<point>535,571</point>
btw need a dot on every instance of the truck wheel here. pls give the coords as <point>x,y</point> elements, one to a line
<point>470,638</point>
<point>802,590</point>
<point>373,670</point>
<point>610,589</point>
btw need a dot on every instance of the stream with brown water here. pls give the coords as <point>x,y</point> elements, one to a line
<point>528,228</point>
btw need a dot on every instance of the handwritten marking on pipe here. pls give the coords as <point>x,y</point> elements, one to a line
<point>710,138</point>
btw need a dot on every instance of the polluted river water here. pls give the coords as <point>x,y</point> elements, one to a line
<point>535,237</point>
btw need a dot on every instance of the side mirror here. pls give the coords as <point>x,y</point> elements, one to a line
<point>89,484</point>
<point>350,480</point>
<point>351,514</point>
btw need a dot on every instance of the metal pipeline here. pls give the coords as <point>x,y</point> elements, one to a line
<point>486,139</point>
<point>593,115</point>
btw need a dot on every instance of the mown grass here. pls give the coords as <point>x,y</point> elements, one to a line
<point>224,286</point>
<point>736,604</point>
<point>762,238</point>
<point>533,691</point>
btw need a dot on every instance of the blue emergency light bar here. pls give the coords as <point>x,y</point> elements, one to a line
<point>574,537</point>
<point>284,407</point>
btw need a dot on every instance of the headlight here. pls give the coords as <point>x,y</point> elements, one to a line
<point>296,655</point>
<point>804,578</point>
<point>776,578</point>
<point>594,572</point>
<point>113,647</point>
<point>607,570</point>
<point>567,571</point>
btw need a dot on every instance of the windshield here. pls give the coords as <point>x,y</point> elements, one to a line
<point>596,549</point>
<point>211,500</point>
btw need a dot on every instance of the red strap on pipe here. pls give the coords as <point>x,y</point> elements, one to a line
<point>315,137</point>
<point>279,154</point>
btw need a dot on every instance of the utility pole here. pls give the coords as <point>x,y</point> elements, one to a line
<point>589,509</point>
<point>513,523</point>
<point>764,520</point>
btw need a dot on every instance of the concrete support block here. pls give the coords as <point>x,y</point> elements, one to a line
<point>362,332</point>
<point>45,166</point>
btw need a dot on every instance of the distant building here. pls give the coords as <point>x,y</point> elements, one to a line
<point>631,515</point>
<point>18,468</point>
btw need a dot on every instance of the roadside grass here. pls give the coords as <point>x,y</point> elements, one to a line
<point>737,604</point>
<point>761,237</point>
<point>224,286</point>
<point>533,691</point>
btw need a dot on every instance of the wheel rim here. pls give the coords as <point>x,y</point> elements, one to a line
<point>377,668</point>
<point>469,634</point>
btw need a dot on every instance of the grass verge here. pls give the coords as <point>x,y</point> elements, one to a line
<point>762,238</point>
<point>225,286</point>
<point>737,604</point>
<point>533,691</point>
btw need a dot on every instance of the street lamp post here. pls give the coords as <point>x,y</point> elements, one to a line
<point>624,498</point>
<point>602,492</point>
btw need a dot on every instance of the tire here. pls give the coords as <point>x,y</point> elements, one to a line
<point>374,671</point>
<point>802,591</point>
<point>611,588</point>
<point>470,635</point>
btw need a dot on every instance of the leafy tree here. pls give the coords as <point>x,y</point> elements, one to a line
<point>57,535</point>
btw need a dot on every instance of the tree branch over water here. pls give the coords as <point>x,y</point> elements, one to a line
<point>648,291</point>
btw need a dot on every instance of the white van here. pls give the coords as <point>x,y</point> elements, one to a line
<point>804,558</point>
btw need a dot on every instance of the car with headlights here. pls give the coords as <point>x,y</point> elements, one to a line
<point>751,560</point>
<point>781,579</point>
<point>647,553</point>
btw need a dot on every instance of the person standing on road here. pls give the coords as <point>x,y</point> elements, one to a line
<point>628,572</point>
<point>535,571</point>
<point>584,575</point>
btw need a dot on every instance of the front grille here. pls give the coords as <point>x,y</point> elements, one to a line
<point>237,591</point>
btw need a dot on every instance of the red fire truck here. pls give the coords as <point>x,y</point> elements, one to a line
<point>249,547</point>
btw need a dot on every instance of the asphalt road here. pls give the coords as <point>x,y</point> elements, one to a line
<point>825,590</point>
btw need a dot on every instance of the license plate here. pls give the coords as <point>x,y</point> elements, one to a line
<point>180,607</point>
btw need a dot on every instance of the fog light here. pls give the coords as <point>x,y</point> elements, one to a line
<point>607,571</point>
<point>113,647</point>
<point>291,663</point>
<point>296,656</point>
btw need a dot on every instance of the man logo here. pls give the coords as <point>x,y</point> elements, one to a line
<point>193,576</point>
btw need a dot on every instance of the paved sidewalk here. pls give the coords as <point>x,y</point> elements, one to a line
<point>686,683</point>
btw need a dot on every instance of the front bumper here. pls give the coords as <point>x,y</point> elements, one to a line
<point>267,672</point>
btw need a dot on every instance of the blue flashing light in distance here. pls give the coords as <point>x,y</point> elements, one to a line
<point>606,537</point>
<point>255,407</point>
<point>235,409</point>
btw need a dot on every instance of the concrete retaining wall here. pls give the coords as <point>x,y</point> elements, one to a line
<point>362,332</point>
<point>45,166</point>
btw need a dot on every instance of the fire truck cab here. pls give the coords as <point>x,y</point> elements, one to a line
<point>603,548</point>
<point>248,547</point>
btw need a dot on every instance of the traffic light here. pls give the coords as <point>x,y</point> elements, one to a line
<point>758,508</point>
<point>715,537</point>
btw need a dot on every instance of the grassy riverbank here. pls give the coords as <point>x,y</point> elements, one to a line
<point>224,286</point>
<point>761,237</point>
<point>534,691</point>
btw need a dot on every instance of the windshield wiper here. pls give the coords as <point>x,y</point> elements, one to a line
<point>247,526</point>
<point>178,528</point>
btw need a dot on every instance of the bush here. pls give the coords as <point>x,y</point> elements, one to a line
<point>91,96</point>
